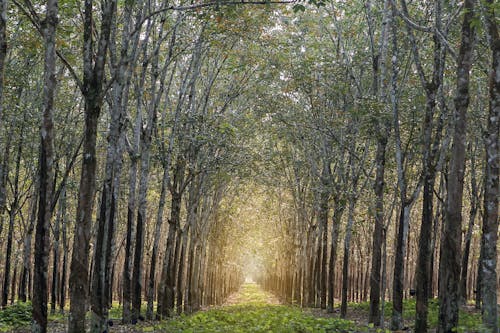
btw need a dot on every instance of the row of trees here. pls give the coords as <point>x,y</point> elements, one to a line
<point>143,122</point>
<point>346,124</point>
<point>387,106</point>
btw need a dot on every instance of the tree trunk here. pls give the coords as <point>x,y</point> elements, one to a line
<point>24,285</point>
<point>42,238</point>
<point>449,264</point>
<point>55,266</point>
<point>127,265</point>
<point>468,238</point>
<point>348,234</point>
<point>92,90</point>
<point>3,159</point>
<point>8,254</point>
<point>491,181</point>
<point>374,315</point>
<point>323,220</point>
<point>336,220</point>
<point>62,285</point>
<point>399,265</point>
<point>156,243</point>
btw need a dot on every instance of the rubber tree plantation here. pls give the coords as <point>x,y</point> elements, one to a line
<point>280,166</point>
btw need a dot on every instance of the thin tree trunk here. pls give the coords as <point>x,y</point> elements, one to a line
<point>336,220</point>
<point>323,220</point>
<point>62,286</point>
<point>449,264</point>
<point>24,285</point>
<point>92,90</point>
<point>3,159</point>
<point>42,238</point>
<point>14,207</point>
<point>468,237</point>
<point>374,315</point>
<point>55,255</point>
<point>491,181</point>
<point>156,242</point>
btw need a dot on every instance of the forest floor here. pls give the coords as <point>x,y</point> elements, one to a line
<point>251,310</point>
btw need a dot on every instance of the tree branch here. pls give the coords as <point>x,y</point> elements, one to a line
<point>35,20</point>
<point>210,4</point>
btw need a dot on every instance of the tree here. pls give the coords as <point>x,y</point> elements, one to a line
<point>449,264</point>
<point>92,88</point>
<point>46,173</point>
<point>491,179</point>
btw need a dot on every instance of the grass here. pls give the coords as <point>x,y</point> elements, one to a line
<point>253,311</point>
<point>468,321</point>
<point>254,314</point>
<point>15,316</point>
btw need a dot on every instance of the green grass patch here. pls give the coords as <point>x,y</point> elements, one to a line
<point>15,316</point>
<point>255,318</point>
<point>253,314</point>
<point>468,321</point>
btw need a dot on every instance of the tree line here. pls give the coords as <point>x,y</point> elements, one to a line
<point>127,130</point>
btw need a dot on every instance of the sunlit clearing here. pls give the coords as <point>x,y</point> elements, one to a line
<point>253,231</point>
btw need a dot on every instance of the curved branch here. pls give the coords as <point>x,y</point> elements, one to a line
<point>37,23</point>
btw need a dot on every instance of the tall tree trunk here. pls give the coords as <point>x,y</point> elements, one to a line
<point>55,255</point>
<point>181,271</point>
<point>102,282</point>
<point>130,235</point>
<point>468,237</point>
<point>24,285</point>
<point>42,238</point>
<point>345,265</point>
<point>137,277</point>
<point>92,90</point>
<point>156,243</point>
<point>353,197</point>
<point>449,264</point>
<point>166,296</point>
<point>336,220</point>
<point>491,180</point>
<point>8,254</point>
<point>5,157</point>
<point>379,91</point>
<point>163,192</point>
<point>398,280</point>
<point>13,212</point>
<point>374,315</point>
<point>62,285</point>
<point>397,293</point>
<point>323,220</point>
<point>431,88</point>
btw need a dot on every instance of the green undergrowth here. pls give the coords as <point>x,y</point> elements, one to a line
<point>469,321</point>
<point>253,313</point>
<point>18,315</point>
<point>256,318</point>
<point>15,316</point>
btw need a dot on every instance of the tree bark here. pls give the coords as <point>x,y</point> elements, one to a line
<point>468,238</point>
<point>25,273</point>
<point>42,238</point>
<point>374,315</point>
<point>491,181</point>
<point>336,220</point>
<point>449,264</point>
<point>62,285</point>
<point>93,78</point>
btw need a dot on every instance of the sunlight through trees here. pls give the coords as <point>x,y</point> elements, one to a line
<point>324,165</point>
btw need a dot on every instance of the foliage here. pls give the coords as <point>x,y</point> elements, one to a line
<point>14,316</point>
<point>255,315</point>
<point>469,320</point>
